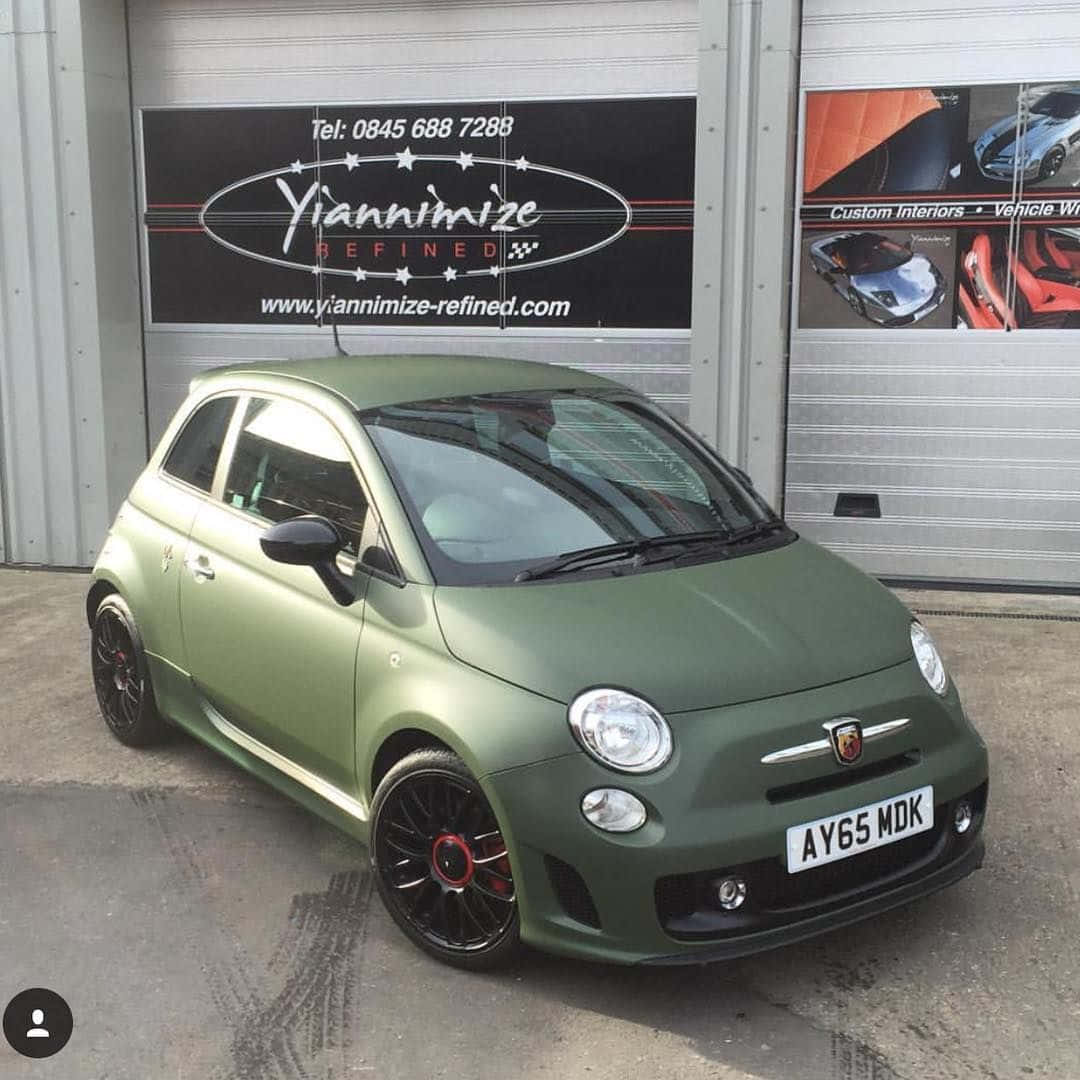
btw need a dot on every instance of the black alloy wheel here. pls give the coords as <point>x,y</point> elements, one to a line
<point>121,680</point>
<point>1052,163</point>
<point>440,861</point>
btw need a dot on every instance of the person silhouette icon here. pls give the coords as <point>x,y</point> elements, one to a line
<point>37,1023</point>
<point>37,1018</point>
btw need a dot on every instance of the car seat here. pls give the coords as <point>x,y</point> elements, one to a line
<point>1058,292</point>
<point>1046,259</point>
<point>985,266</point>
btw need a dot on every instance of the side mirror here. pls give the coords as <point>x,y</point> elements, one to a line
<point>312,541</point>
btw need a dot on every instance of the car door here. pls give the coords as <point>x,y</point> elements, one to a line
<point>268,648</point>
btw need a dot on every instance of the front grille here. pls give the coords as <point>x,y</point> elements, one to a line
<point>572,892</point>
<point>848,775</point>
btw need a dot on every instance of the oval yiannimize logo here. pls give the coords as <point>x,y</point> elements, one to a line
<point>405,216</point>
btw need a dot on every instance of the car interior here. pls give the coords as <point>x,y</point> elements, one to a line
<point>1040,289</point>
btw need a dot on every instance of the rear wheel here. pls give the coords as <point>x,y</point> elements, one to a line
<point>121,676</point>
<point>441,864</point>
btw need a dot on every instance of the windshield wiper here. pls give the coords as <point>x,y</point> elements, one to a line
<point>636,549</point>
<point>622,550</point>
<point>756,530</point>
<point>571,559</point>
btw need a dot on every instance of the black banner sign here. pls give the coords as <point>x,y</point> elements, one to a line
<point>486,214</point>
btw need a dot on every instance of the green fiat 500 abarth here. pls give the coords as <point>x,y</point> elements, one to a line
<point>558,665</point>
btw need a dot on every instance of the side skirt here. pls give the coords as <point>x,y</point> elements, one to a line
<point>343,801</point>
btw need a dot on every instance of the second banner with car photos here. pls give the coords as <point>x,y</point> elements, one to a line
<point>942,206</point>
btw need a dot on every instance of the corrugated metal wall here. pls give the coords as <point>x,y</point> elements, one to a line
<point>971,439</point>
<point>72,431</point>
<point>282,51</point>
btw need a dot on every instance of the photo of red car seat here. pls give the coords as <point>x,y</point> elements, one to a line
<point>1061,292</point>
<point>1045,256</point>
<point>985,264</point>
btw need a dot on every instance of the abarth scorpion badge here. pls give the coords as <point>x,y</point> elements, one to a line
<point>845,735</point>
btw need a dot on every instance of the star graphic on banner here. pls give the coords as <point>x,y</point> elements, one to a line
<point>493,271</point>
<point>316,270</point>
<point>351,161</point>
<point>402,274</point>
<point>522,163</point>
<point>359,274</point>
<point>296,166</point>
<point>450,274</point>
<point>465,160</point>
<point>405,158</point>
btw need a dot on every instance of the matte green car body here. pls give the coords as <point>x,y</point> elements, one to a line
<point>742,656</point>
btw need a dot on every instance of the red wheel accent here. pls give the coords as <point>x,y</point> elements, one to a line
<point>454,841</point>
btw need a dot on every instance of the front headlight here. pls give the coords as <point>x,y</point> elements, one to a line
<point>886,297</point>
<point>620,730</point>
<point>928,658</point>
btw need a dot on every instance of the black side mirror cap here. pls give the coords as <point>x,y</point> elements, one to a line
<point>301,541</point>
<point>310,540</point>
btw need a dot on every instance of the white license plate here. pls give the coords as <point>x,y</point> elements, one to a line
<point>815,843</point>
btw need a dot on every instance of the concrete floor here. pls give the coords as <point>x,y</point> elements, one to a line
<point>202,927</point>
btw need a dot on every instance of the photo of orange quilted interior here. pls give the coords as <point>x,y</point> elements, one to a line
<point>843,125</point>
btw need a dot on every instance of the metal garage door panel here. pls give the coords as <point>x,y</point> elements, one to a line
<point>971,439</point>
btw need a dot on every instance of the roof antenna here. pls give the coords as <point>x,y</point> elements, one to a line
<point>337,340</point>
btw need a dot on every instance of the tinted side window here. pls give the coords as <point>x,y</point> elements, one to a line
<point>289,460</point>
<point>194,456</point>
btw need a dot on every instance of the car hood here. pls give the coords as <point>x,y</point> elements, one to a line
<point>1041,132</point>
<point>693,637</point>
<point>911,283</point>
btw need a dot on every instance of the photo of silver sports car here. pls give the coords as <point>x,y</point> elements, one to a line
<point>1049,131</point>
<point>883,281</point>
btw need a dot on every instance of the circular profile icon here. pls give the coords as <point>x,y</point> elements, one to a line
<point>38,1023</point>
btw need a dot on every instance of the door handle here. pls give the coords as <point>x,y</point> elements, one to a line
<point>200,567</point>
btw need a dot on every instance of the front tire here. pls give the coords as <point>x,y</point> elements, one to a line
<point>856,302</point>
<point>122,676</point>
<point>440,862</point>
<point>1052,163</point>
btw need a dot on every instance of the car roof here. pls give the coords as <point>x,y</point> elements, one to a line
<point>370,381</point>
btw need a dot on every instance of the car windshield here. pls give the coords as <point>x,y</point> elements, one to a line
<point>497,485</point>
<point>872,254</point>
<point>1059,105</point>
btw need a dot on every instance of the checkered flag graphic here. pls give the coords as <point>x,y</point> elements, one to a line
<point>521,249</point>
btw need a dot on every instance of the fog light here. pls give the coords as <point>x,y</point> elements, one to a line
<point>730,892</point>
<point>963,817</point>
<point>613,810</point>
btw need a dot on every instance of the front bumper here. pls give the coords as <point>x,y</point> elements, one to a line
<point>715,807</point>
<point>924,309</point>
<point>1003,171</point>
